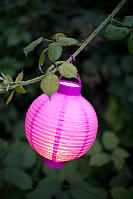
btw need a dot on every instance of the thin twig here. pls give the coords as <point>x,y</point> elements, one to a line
<point>88,40</point>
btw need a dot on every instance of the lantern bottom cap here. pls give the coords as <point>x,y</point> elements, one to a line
<point>54,164</point>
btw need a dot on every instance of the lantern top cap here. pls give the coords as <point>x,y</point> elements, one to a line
<point>69,87</point>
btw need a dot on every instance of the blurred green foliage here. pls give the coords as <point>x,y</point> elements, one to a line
<point>106,69</point>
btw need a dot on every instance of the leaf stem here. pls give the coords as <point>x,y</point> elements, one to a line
<point>88,40</point>
<point>47,40</point>
<point>117,21</point>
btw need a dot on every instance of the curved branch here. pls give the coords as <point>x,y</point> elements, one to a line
<point>88,40</point>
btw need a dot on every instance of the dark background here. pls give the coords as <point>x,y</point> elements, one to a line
<point>106,70</point>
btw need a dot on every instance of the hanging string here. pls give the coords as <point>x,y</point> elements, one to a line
<point>73,59</point>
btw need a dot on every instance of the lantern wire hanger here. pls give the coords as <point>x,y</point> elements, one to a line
<point>73,59</point>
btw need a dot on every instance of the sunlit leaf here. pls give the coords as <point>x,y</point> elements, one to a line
<point>50,84</point>
<point>113,33</point>
<point>65,41</point>
<point>19,77</point>
<point>32,45</point>
<point>58,35</point>
<point>67,70</point>
<point>42,57</point>
<point>20,89</point>
<point>10,97</point>
<point>4,76</point>
<point>2,88</point>
<point>54,51</point>
<point>9,78</point>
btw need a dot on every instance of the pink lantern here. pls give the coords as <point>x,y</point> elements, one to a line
<point>63,128</point>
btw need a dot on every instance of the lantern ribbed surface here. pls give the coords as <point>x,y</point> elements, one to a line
<point>63,128</point>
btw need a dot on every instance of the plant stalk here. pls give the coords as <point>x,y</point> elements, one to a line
<point>88,40</point>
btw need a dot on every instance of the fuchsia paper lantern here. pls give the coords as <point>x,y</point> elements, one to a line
<point>63,128</point>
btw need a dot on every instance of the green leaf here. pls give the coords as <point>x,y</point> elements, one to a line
<point>39,194</point>
<point>50,84</point>
<point>63,195</point>
<point>19,77</point>
<point>99,159</point>
<point>130,194</point>
<point>110,140</point>
<point>122,179</point>
<point>118,193</point>
<point>32,45</point>
<point>19,130</point>
<point>3,88</point>
<point>113,33</point>
<point>20,155</point>
<point>129,81</point>
<point>118,156</point>
<point>130,44</point>
<point>113,115</point>
<point>128,21</point>
<point>58,35</point>
<point>9,78</point>
<point>73,175</point>
<point>54,51</point>
<point>50,184</point>
<point>118,161</point>
<point>1,182</point>
<point>120,152</point>
<point>4,76</point>
<point>3,148</point>
<point>10,97</point>
<point>46,188</point>
<point>58,174</point>
<point>21,2</point>
<point>20,89</point>
<point>67,70</point>
<point>127,63</point>
<point>65,41</point>
<point>17,178</point>
<point>96,148</point>
<point>83,190</point>
<point>82,168</point>
<point>42,57</point>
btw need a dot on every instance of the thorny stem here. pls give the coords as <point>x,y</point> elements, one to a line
<point>117,21</point>
<point>109,18</point>
<point>88,40</point>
